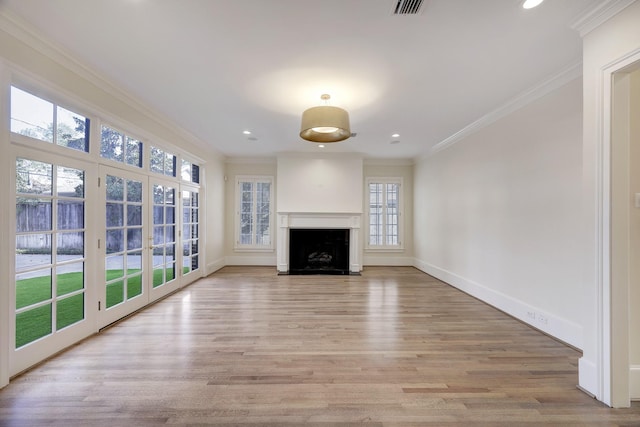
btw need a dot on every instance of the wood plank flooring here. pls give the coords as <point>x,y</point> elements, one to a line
<point>393,347</point>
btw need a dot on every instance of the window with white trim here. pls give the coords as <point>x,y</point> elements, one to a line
<point>40,119</point>
<point>162,162</point>
<point>190,172</point>
<point>254,198</point>
<point>116,146</point>
<point>384,213</point>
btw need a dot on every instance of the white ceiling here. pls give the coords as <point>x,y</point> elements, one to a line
<point>219,67</point>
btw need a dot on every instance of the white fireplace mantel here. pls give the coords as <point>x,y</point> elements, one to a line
<point>288,220</point>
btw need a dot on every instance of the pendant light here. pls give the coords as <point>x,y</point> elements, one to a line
<point>325,123</point>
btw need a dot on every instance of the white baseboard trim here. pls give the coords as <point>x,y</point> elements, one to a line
<point>266,260</point>
<point>634,382</point>
<point>562,329</point>
<point>214,266</point>
<point>381,260</point>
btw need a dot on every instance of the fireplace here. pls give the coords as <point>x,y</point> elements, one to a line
<point>318,251</point>
<point>347,223</point>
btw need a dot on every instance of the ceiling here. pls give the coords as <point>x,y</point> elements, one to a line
<point>219,67</point>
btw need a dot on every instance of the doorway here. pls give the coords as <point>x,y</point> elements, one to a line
<point>625,235</point>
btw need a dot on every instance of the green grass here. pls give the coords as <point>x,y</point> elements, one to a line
<point>37,322</point>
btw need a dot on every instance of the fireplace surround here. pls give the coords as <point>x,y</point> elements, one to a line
<point>348,222</point>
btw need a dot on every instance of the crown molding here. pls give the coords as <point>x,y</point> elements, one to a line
<point>24,32</point>
<point>565,76</point>
<point>593,18</point>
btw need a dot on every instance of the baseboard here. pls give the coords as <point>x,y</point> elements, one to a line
<point>380,260</point>
<point>266,260</point>
<point>214,266</point>
<point>634,382</point>
<point>562,329</point>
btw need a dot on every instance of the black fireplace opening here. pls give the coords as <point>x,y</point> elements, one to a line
<point>318,251</point>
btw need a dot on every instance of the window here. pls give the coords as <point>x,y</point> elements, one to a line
<point>190,172</point>
<point>253,218</point>
<point>120,148</point>
<point>384,213</point>
<point>40,119</point>
<point>162,162</point>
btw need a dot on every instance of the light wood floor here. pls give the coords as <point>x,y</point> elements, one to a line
<point>391,347</point>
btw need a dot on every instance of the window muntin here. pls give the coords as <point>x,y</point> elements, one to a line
<point>41,119</point>
<point>121,148</point>
<point>384,213</point>
<point>254,219</point>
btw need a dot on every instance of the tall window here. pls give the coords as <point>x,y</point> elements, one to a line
<point>254,200</point>
<point>384,213</point>
<point>40,119</point>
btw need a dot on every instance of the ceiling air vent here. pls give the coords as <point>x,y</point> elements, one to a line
<point>408,7</point>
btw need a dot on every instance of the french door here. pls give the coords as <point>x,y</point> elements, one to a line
<point>123,246</point>
<point>52,269</point>
<point>86,258</point>
<point>163,238</point>
<point>139,243</point>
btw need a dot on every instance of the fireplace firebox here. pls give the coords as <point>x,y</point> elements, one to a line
<point>318,251</point>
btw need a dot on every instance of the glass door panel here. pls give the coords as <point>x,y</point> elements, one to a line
<point>190,230</point>
<point>164,262</point>
<point>124,271</point>
<point>50,283</point>
<point>164,233</point>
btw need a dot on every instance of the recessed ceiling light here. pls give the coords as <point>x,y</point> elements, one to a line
<point>321,146</point>
<point>395,135</point>
<point>246,132</point>
<point>530,4</point>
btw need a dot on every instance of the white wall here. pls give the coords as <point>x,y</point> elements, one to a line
<point>604,48</point>
<point>496,214</point>
<point>213,223</point>
<point>320,183</point>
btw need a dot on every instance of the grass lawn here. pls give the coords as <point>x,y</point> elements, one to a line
<point>37,322</point>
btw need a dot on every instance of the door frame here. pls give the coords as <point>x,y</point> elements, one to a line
<point>612,358</point>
